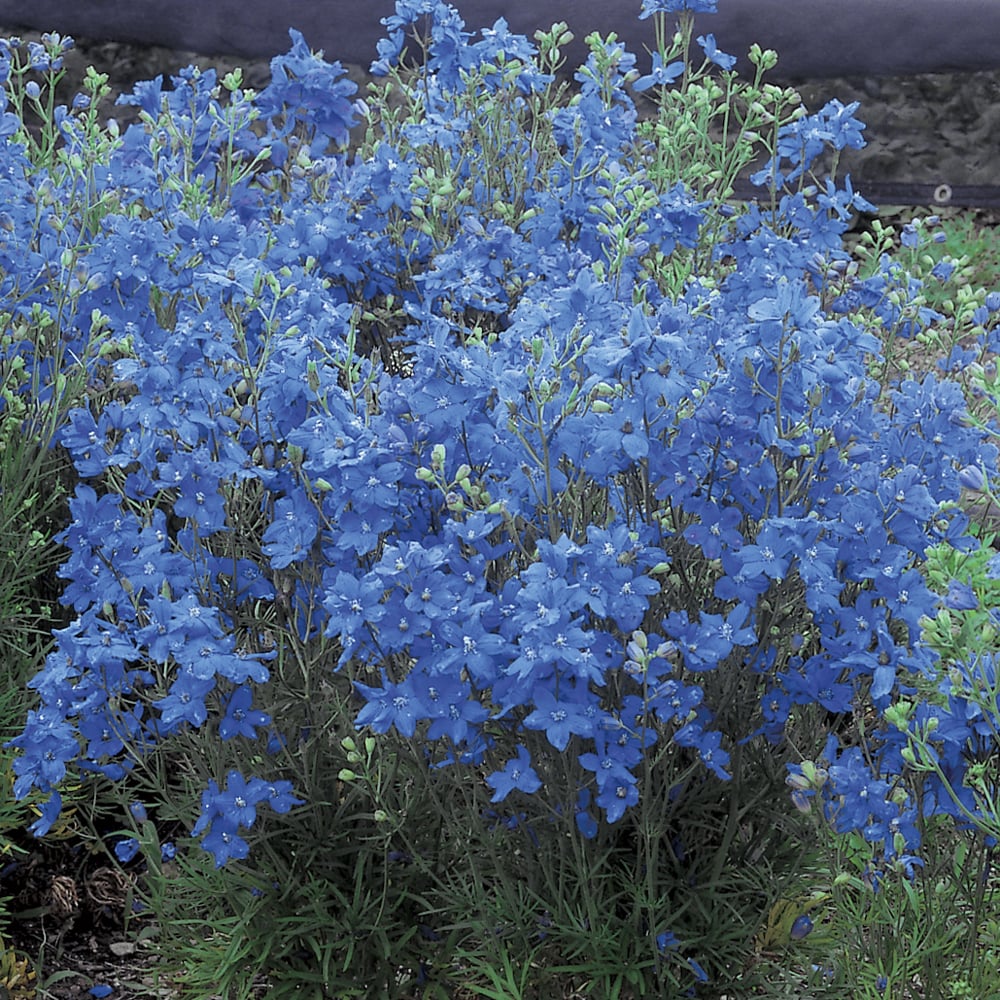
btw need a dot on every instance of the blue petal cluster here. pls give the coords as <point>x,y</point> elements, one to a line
<point>530,510</point>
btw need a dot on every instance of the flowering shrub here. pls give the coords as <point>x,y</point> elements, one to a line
<point>507,416</point>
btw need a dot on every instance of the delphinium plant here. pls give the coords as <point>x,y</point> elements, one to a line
<point>928,919</point>
<point>479,522</point>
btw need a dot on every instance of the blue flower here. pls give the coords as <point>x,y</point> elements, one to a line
<point>659,75</point>
<point>617,796</point>
<point>353,601</point>
<point>961,597</point>
<point>185,702</point>
<point>700,974</point>
<point>712,52</point>
<point>716,530</point>
<point>305,89</point>
<point>559,719</point>
<point>47,745</point>
<point>971,477</point>
<point>240,718</point>
<point>584,819</point>
<point>516,774</point>
<point>224,842</point>
<point>126,849</point>
<point>279,796</point>
<point>801,927</point>
<point>484,459</point>
<point>667,941</point>
<point>290,535</point>
<point>400,705</point>
<point>454,711</point>
<point>238,803</point>
<point>651,7</point>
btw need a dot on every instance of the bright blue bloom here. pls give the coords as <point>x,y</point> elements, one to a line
<point>700,974</point>
<point>453,711</point>
<point>225,843</point>
<point>536,494</point>
<point>517,773</point>
<point>716,530</point>
<point>651,7</point>
<point>801,141</point>
<point>618,796</point>
<point>801,927</point>
<point>305,89</point>
<point>238,802</point>
<point>352,602</point>
<point>667,941</point>
<point>186,700</point>
<point>559,719</point>
<point>769,555</point>
<point>127,849</point>
<point>290,535</point>
<point>659,75</point>
<point>585,821</point>
<point>961,597</point>
<point>279,796</point>
<point>45,754</point>
<point>971,477</point>
<point>706,644</point>
<point>712,52</point>
<point>400,705</point>
<point>241,719</point>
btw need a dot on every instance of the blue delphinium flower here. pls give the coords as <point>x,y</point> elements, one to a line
<point>517,774</point>
<point>651,7</point>
<point>714,54</point>
<point>961,597</point>
<point>290,535</point>
<point>393,705</point>
<point>224,842</point>
<point>801,927</point>
<point>559,718</point>
<point>185,703</point>
<point>45,753</point>
<point>305,89</point>
<point>659,75</point>
<point>240,718</point>
<point>523,505</point>
<point>225,812</point>
<point>126,849</point>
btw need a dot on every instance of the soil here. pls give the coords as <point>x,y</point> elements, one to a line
<point>928,129</point>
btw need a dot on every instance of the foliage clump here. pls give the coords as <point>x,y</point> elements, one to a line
<point>505,437</point>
